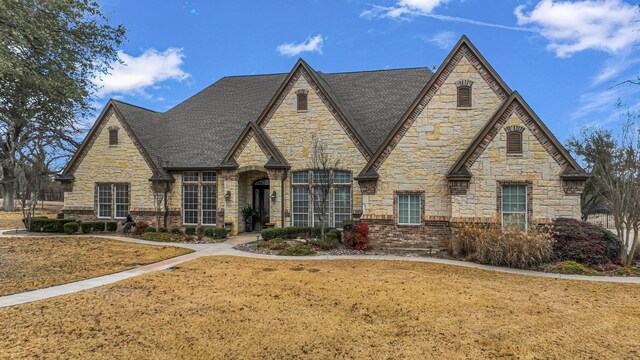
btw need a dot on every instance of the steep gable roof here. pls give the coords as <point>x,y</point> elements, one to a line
<point>464,48</point>
<point>253,131</point>
<point>516,104</point>
<point>126,113</point>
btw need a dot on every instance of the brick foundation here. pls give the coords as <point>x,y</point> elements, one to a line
<point>384,234</point>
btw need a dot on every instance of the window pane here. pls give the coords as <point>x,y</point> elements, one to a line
<point>300,206</point>
<point>514,206</point>
<point>190,176</point>
<point>341,205</point>
<point>209,204</point>
<point>414,209</point>
<point>105,209</point>
<point>320,176</point>
<point>190,204</point>
<point>342,177</point>
<point>122,200</point>
<point>300,177</point>
<point>409,209</point>
<point>208,176</point>
<point>318,211</point>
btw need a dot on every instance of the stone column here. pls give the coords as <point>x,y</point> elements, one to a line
<point>230,186</point>
<point>276,177</point>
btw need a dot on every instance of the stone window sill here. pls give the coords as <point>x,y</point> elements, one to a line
<point>515,155</point>
<point>302,111</point>
<point>464,108</point>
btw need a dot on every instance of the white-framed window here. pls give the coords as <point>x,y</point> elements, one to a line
<point>409,209</point>
<point>307,189</point>
<point>199,197</point>
<point>112,200</point>
<point>514,206</point>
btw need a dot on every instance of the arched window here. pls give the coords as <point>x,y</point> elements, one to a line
<point>464,93</point>
<point>514,140</point>
<point>113,136</point>
<point>302,101</point>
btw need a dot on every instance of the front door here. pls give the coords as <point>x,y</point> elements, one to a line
<point>261,202</point>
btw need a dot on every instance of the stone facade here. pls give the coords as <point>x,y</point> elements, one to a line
<point>417,158</point>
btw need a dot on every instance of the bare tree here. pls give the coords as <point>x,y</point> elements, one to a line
<point>614,160</point>
<point>321,163</point>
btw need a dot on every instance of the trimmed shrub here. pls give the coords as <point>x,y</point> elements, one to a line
<point>571,267</point>
<point>334,234</point>
<point>111,226</point>
<point>514,248</point>
<point>89,227</point>
<point>162,230</point>
<point>268,234</point>
<point>71,227</point>
<point>150,229</point>
<point>293,233</point>
<point>327,244</point>
<point>60,216</point>
<point>274,244</point>
<point>583,242</point>
<point>44,224</point>
<point>190,230</point>
<point>215,232</point>
<point>139,228</point>
<point>297,250</point>
<point>176,230</point>
<point>358,237</point>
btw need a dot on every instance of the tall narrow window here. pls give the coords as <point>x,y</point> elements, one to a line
<point>209,192</point>
<point>300,199</point>
<point>302,101</point>
<point>514,206</point>
<point>409,209</point>
<point>464,96</point>
<point>112,201</point>
<point>514,143</point>
<point>113,136</point>
<point>190,198</point>
<point>121,200</point>
<point>104,201</point>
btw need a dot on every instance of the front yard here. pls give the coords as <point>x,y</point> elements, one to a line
<point>225,307</point>
<point>38,262</point>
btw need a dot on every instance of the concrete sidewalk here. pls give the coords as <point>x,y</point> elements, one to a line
<point>226,249</point>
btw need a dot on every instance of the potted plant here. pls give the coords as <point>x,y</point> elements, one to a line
<point>248,212</point>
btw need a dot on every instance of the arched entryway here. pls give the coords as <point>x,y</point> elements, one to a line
<point>261,202</point>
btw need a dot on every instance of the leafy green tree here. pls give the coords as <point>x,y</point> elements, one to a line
<point>51,51</point>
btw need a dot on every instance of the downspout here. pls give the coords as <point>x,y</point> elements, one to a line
<point>282,202</point>
<point>166,207</point>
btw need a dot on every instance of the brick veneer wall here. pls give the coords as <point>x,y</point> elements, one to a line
<point>384,233</point>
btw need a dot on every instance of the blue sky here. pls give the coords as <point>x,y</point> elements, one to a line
<point>564,57</point>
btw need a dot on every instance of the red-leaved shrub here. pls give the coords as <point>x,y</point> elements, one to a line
<point>356,236</point>
<point>140,226</point>
<point>584,243</point>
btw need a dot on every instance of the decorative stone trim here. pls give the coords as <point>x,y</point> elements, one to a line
<point>320,93</point>
<point>529,185</point>
<point>468,83</point>
<point>458,187</point>
<point>573,187</point>
<point>464,51</point>
<point>514,128</point>
<point>302,91</point>
<point>368,187</point>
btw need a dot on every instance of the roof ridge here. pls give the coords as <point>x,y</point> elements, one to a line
<point>377,70</point>
<point>136,106</point>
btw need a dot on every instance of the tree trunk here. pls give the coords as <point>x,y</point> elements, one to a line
<point>9,182</point>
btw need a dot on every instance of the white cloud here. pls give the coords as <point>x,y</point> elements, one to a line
<point>574,26</point>
<point>312,44</point>
<point>137,73</point>
<point>444,39</point>
<point>614,67</point>
<point>403,8</point>
<point>600,105</point>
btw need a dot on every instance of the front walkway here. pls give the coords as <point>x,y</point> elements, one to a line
<point>226,249</point>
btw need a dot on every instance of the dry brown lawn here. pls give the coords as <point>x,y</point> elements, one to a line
<point>39,262</point>
<point>238,308</point>
<point>13,219</point>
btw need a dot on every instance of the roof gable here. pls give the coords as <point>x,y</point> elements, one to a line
<point>112,106</point>
<point>275,159</point>
<point>464,48</point>
<point>515,104</point>
<point>324,91</point>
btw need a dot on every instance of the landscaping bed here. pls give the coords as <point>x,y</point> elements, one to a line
<point>29,263</point>
<point>230,307</point>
